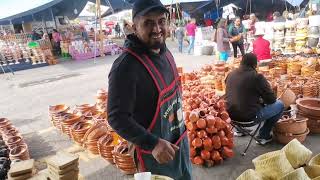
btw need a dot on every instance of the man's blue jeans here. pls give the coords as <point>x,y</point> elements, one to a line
<point>269,114</point>
<point>180,44</point>
<point>191,44</point>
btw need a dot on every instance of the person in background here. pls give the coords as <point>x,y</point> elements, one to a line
<point>91,34</point>
<point>253,20</point>
<point>277,17</point>
<point>250,98</point>
<point>237,30</point>
<point>84,33</point>
<point>223,40</point>
<point>56,37</point>
<point>180,32</point>
<point>144,96</point>
<point>35,36</point>
<point>191,33</point>
<point>261,48</point>
<point>118,30</point>
<point>127,28</point>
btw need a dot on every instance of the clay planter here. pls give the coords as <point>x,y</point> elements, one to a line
<point>309,106</point>
<point>286,138</point>
<point>292,126</point>
<point>79,129</point>
<point>67,121</point>
<point>123,160</point>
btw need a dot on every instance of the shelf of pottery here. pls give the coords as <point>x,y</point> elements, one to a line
<point>293,36</point>
<point>82,50</point>
<point>15,53</point>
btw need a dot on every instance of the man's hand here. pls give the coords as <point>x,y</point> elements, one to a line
<point>164,151</point>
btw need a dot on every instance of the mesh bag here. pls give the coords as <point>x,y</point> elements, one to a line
<point>296,153</point>
<point>298,174</point>
<point>272,165</point>
<point>313,171</point>
<point>315,160</point>
<point>249,174</point>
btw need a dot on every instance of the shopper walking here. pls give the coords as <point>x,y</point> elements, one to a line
<point>237,32</point>
<point>117,30</point>
<point>191,32</point>
<point>145,100</point>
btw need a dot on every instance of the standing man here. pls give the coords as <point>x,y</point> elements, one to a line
<point>237,31</point>
<point>191,33</point>
<point>180,32</point>
<point>145,101</point>
<point>117,29</point>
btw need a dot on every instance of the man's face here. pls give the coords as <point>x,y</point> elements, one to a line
<point>237,22</point>
<point>152,29</point>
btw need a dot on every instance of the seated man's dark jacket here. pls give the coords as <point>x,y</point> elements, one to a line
<point>244,90</point>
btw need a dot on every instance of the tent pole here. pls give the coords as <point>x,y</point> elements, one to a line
<point>100,23</point>
<point>54,20</point>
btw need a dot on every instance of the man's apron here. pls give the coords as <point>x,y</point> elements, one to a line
<point>167,123</point>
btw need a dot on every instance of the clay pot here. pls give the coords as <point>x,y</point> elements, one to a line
<point>287,137</point>
<point>85,108</point>
<point>58,108</point>
<point>292,126</point>
<point>309,106</point>
<point>13,141</point>
<point>19,152</point>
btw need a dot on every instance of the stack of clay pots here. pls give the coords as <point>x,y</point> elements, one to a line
<point>301,34</point>
<point>68,120</point>
<point>310,89</point>
<point>14,141</point>
<point>106,145</point>
<point>56,114</point>
<point>279,28</point>
<point>310,108</point>
<point>79,129</point>
<point>288,129</point>
<point>101,102</point>
<point>290,37</point>
<point>92,136</point>
<point>123,159</point>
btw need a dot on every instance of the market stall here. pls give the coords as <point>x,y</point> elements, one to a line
<point>19,52</point>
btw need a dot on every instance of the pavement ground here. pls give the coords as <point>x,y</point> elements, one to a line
<point>25,98</point>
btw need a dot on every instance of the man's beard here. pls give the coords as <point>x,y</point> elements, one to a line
<point>157,45</point>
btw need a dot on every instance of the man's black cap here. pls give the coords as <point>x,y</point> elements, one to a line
<point>142,7</point>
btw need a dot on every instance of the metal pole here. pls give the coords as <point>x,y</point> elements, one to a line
<point>54,20</point>
<point>100,23</point>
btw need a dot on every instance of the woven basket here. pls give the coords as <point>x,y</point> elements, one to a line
<point>296,153</point>
<point>313,171</point>
<point>298,174</point>
<point>315,160</point>
<point>249,174</point>
<point>272,165</point>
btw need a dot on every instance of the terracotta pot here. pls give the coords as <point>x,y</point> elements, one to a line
<point>286,138</point>
<point>19,152</point>
<point>293,126</point>
<point>309,106</point>
<point>58,108</point>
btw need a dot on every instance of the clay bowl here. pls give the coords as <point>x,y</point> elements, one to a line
<point>286,138</point>
<point>309,106</point>
<point>58,108</point>
<point>19,152</point>
<point>14,140</point>
<point>293,126</point>
<point>85,107</point>
<point>4,122</point>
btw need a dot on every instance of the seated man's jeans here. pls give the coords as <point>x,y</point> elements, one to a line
<point>269,114</point>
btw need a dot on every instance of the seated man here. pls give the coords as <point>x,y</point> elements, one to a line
<point>250,98</point>
<point>261,48</point>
